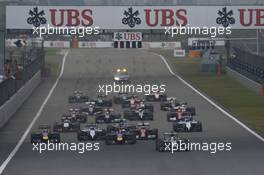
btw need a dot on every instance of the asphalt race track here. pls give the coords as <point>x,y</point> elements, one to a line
<point>84,70</point>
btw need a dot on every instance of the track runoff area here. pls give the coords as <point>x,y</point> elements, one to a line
<point>162,125</point>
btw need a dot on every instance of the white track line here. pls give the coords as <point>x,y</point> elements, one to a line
<point>207,99</point>
<point>22,139</point>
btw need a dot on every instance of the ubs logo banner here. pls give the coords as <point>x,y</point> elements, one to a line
<point>131,18</point>
<point>127,36</point>
<point>36,17</point>
<point>225,17</point>
<point>135,17</point>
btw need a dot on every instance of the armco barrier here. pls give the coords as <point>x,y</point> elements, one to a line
<point>8,109</point>
<point>254,86</point>
<point>248,64</point>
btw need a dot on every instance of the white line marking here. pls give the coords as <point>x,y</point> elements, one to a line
<point>22,139</point>
<point>207,99</point>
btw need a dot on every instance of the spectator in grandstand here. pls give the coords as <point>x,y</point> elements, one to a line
<point>15,67</point>
<point>6,69</point>
<point>10,69</point>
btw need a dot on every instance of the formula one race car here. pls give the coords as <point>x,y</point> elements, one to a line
<point>121,137</point>
<point>119,120</point>
<point>107,117</point>
<point>120,97</point>
<point>178,115</point>
<point>121,75</point>
<point>78,97</point>
<point>156,96</point>
<point>172,142</point>
<point>102,101</point>
<point>131,100</point>
<point>121,125</point>
<point>91,109</point>
<point>172,104</point>
<point>145,132</point>
<point>45,135</point>
<point>66,125</point>
<point>142,130</point>
<point>91,132</point>
<point>136,104</point>
<point>138,114</point>
<point>187,125</point>
<point>75,115</point>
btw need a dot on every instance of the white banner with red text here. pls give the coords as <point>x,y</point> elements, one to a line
<point>135,17</point>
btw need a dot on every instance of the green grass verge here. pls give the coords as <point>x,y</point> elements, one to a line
<point>51,51</point>
<point>240,101</point>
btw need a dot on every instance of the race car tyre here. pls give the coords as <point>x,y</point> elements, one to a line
<point>116,100</point>
<point>192,110</point>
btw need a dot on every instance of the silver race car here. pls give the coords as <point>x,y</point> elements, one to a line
<point>91,132</point>
<point>187,125</point>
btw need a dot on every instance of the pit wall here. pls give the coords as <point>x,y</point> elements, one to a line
<point>9,108</point>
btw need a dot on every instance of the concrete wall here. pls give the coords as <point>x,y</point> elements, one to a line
<point>2,37</point>
<point>8,109</point>
<point>252,85</point>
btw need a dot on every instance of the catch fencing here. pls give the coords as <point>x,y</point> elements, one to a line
<point>248,64</point>
<point>12,84</point>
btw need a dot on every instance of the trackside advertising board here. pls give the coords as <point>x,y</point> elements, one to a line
<point>216,41</point>
<point>135,17</point>
<point>127,36</point>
